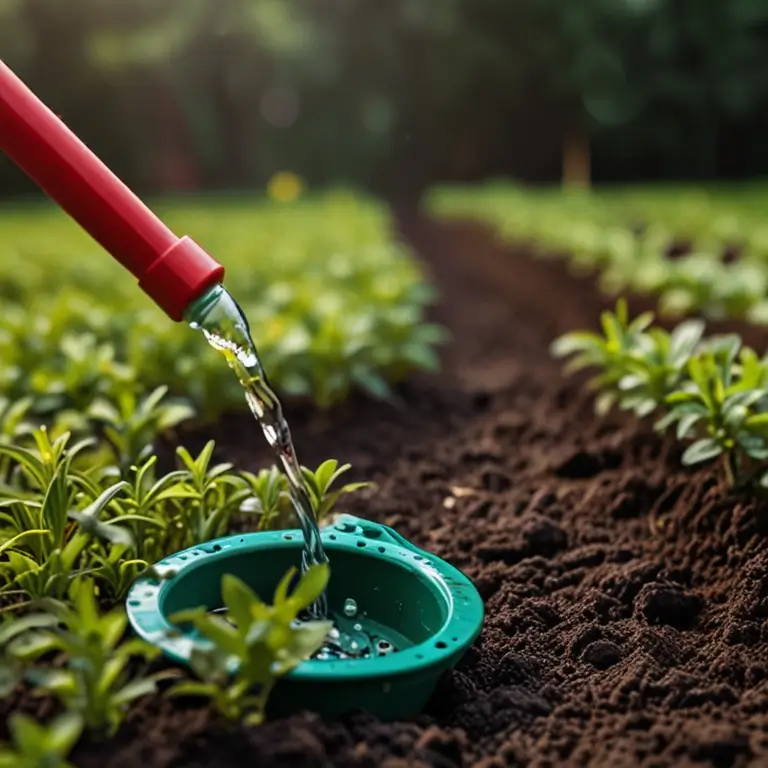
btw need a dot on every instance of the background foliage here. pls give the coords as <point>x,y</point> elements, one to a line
<point>400,93</point>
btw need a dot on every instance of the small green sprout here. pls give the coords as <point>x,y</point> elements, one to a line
<point>319,483</point>
<point>254,644</point>
<point>39,746</point>
<point>268,498</point>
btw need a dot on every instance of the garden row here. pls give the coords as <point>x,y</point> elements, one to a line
<point>673,244</point>
<point>334,303</point>
<point>695,249</point>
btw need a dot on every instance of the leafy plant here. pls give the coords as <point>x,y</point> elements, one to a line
<point>254,644</point>
<point>39,746</point>
<point>320,481</point>
<point>724,406</point>
<point>63,520</point>
<point>268,497</point>
<point>214,495</point>
<point>338,303</point>
<point>95,682</point>
<point>132,424</point>
<point>610,353</point>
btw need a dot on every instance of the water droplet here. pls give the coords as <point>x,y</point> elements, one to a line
<point>350,607</point>
<point>358,627</point>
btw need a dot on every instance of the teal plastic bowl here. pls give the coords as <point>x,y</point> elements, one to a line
<point>432,607</point>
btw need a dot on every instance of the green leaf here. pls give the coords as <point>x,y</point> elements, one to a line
<point>684,340</point>
<point>17,626</point>
<point>194,689</point>
<point>26,734</point>
<point>136,689</point>
<point>281,592</point>
<point>687,422</point>
<point>219,632</point>
<point>173,415</point>
<point>239,599</point>
<point>371,382</point>
<point>20,537</point>
<point>64,732</point>
<point>577,341</point>
<point>311,586</point>
<point>702,450</point>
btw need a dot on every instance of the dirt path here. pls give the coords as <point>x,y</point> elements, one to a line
<point>606,642</point>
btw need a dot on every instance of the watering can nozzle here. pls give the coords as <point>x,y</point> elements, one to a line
<point>173,271</point>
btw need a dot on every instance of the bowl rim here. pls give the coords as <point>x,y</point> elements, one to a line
<point>461,600</point>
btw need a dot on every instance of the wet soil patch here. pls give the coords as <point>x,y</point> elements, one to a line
<point>627,600</point>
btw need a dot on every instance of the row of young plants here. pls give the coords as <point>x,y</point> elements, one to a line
<point>334,301</point>
<point>697,250</point>
<point>93,373</point>
<point>712,391</point>
<point>79,522</point>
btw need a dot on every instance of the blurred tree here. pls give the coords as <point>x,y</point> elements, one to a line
<point>224,93</point>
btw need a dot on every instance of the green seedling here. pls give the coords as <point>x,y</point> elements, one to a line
<point>657,366</point>
<point>723,407</point>
<point>319,484</point>
<point>609,353</point>
<point>150,508</point>
<point>254,644</point>
<point>39,746</point>
<point>115,571</point>
<point>215,494</point>
<point>132,424</point>
<point>49,537</point>
<point>268,498</point>
<point>95,681</point>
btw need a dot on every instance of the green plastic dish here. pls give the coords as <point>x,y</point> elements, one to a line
<point>418,597</point>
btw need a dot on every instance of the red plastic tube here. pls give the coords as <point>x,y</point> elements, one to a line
<point>173,271</point>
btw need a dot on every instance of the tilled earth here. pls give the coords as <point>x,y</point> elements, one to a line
<point>627,600</point>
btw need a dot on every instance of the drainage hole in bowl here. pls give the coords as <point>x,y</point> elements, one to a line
<point>332,536</point>
<point>288,537</point>
<point>134,603</point>
<point>371,533</point>
<point>382,549</point>
<point>440,644</point>
<point>182,557</point>
<point>212,549</point>
<point>361,543</point>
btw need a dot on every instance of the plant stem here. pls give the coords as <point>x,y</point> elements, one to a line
<point>730,475</point>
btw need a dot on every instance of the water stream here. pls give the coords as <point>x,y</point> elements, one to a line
<point>226,329</point>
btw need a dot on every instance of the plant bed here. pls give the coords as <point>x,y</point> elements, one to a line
<point>625,596</point>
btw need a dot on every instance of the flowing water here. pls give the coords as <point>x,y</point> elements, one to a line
<point>226,329</point>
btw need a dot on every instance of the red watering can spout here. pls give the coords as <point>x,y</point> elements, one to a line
<point>173,271</point>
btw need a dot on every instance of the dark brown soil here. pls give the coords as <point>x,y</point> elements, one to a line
<point>627,601</point>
